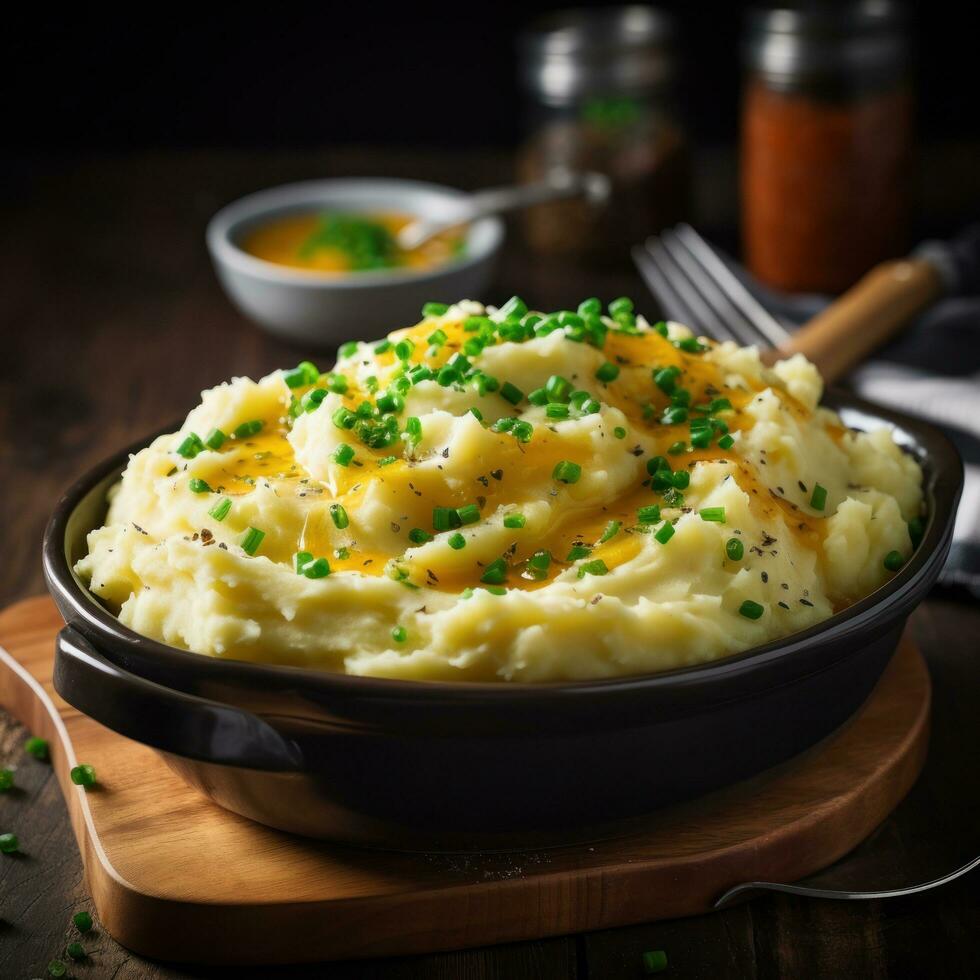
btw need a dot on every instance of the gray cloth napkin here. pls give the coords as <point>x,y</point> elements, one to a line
<point>931,370</point>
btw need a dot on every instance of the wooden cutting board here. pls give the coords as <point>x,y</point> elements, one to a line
<point>175,877</point>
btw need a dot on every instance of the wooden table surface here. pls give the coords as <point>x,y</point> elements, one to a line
<point>112,323</point>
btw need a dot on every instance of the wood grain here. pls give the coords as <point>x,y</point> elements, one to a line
<point>172,874</point>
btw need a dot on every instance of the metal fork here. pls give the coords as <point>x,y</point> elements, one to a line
<point>694,286</point>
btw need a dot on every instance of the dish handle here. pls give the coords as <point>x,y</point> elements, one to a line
<point>165,719</point>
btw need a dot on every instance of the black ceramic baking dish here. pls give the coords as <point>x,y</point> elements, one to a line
<point>418,764</point>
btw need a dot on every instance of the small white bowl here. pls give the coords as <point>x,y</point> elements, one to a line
<point>324,310</point>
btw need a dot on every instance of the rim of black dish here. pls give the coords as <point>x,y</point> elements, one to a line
<point>943,483</point>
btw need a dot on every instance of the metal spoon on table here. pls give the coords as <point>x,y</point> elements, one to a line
<point>559,184</point>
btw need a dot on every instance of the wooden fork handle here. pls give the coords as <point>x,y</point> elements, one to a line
<point>867,315</point>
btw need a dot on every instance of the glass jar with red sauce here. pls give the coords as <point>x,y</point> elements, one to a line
<point>826,140</point>
<point>600,97</point>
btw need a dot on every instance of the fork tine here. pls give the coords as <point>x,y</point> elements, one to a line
<point>737,327</point>
<point>755,313</point>
<point>671,305</point>
<point>703,318</point>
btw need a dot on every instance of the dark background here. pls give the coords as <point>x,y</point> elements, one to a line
<point>159,77</point>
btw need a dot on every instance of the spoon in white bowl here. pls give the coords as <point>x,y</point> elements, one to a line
<point>559,184</point>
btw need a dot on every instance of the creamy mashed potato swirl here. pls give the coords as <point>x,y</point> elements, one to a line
<point>502,495</point>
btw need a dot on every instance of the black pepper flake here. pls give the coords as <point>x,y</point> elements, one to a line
<point>765,577</point>
<point>445,453</point>
<point>805,602</point>
<point>395,527</point>
<point>767,539</point>
<point>784,586</point>
<point>367,561</point>
<point>637,450</point>
<point>497,474</point>
<point>483,480</point>
<point>596,598</point>
<point>138,528</point>
<point>782,605</point>
<point>481,502</point>
<point>222,546</point>
<point>801,485</point>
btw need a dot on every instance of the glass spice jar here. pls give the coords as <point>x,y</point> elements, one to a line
<point>825,144</point>
<point>600,85</point>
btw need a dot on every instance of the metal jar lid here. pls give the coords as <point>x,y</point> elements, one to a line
<point>861,42</point>
<point>572,54</point>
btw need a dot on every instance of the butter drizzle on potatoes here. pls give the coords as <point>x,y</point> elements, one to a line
<point>506,495</point>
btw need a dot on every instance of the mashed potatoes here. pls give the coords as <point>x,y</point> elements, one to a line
<point>497,495</point>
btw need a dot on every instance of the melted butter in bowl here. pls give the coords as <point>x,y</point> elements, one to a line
<point>505,495</point>
<point>337,242</point>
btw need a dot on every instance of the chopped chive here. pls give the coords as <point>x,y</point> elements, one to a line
<point>445,519</point>
<point>337,383</point>
<point>662,480</point>
<point>317,568</point>
<point>595,567</point>
<point>83,775</point>
<point>894,561</point>
<point>607,372</point>
<point>344,418</point>
<point>9,844</point>
<point>300,560</point>
<point>681,396</point>
<point>387,460</point>
<point>343,454</point>
<point>349,349</point>
<point>57,968</point>
<point>661,328</point>
<point>383,347</point>
<point>701,438</point>
<point>538,564</point>
<point>251,428</point>
<point>82,921</point>
<point>556,410</point>
<point>818,500</point>
<point>399,634</point>
<point>447,376</point>
<point>665,533</point>
<point>191,446</point>
<point>619,432</point>
<point>514,308</point>
<point>681,480</point>
<point>522,431</point>
<point>215,439</point>
<point>339,516</point>
<point>714,514</point>
<point>37,747</point>
<point>511,393</point>
<point>418,536</point>
<point>538,397</point>
<point>666,379</point>
<point>649,514</point>
<point>515,520</point>
<point>220,510</point>
<point>734,549</point>
<point>435,309</point>
<point>691,345</point>
<point>578,551</point>
<point>558,388</point>
<point>657,463</point>
<point>197,485</point>
<point>567,472</point>
<point>468,514</point>
<point>916,531</point>
<point>342,554</point>
<point>612,529</point>
<point>310,402</point>
<point>674,415</point>
<point>654,961</point>
<point>76,950</point>
<point>438,337</point>
<point>476,413</point>
<point>6,780</point>
<point>622,304</point>
<point>413,431</point>
<point>726,442</point>
<point>750,609</point>
<point>720,405</point>
<point>251,540</point>
<point>495,573</point>
<point>590,307</point>
<point>676,448</point>
<point>404,349</point>
<point>390,401</point>
<point>456,541</point>
<point>496,590</point>
<point>673,497</point>
<point>590,406</point>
